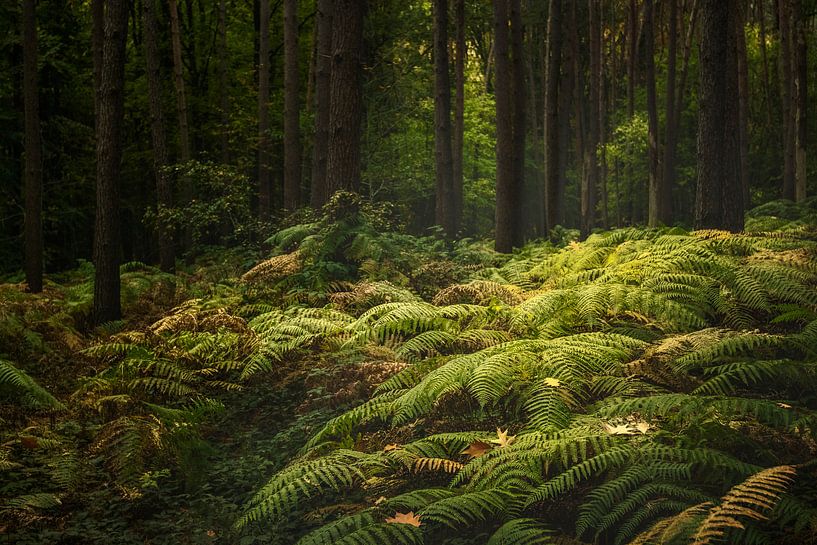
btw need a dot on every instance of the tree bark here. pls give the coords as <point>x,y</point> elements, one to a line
<point>444,206</point>
<point>718,163</point>
<point>32,227</point>
<point>655,214</point>
<point>223,82</point>
<point>743,107</point>
<point>323,67</point>
<point>346,96</point>
<point>552,131</point>
<point>519,117</point>
<point>164,191</point>
<point>590,185</point>
<point>292,122</point>
<point>800,71</point>
<point>459,112</point>
<point>506,205</point>
<point>264,179</point>
<point>786,96</point>
<point>110,100</point>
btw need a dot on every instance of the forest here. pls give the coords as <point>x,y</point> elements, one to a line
<point>443,272</point>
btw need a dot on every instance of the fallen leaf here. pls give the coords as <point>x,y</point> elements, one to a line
<point>643,427</point>
<point>380,500</point>
<point>391,447</point>
<point>211,533</point>
<point>477,449</point>
<point>619,429</point>
<point>784,405</point>
<point>551,381</point>
<point>502,438</point>
<point>405,518</point>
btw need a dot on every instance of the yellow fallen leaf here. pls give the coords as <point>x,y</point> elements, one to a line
<point>391,447</point>
<point>619,429</point>
<point>554,382</point>
<point>405,518</point>
<point>502,438</point>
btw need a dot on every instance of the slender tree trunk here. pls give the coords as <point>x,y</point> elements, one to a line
<point>765,56</point>
<point>656,189</point>
<point>292,122</point>
<point>786,92</point>
<point>718,163</point>
<point>33,228</point>
<point>223,82</point>
<point>110,101</point>
<point>567,87</point>
<point>800,70</point>
<point>506,212</point>
<point>164,192</point>
<point>181,111</point>
<point>323,67</point>
<point>346,96</point>
<point>443,212</point>
<point>671,136</point>
<point>602,111</point>
<point>590,185</point>
<point>459,112</point>
<point>632,52</point>
<point>552,129</point>
<point>519,117</point>
<point>743,107</point>
<point>264,178</point>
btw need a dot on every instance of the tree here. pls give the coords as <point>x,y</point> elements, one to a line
<point>346,96</point>
<point>657,206</point>
<point>590,180</point>
<point>223,84</point>
<point>552,143</point>
<point>786,95</point>
<point>292,122</point>
<point>181,112</point>
<point>507,190</point>
<point>718,204</point>
<point>444,208</point>
<point>323,67</point>
<point>459,111</point>
<point>33,228</point>
<point>800,71</point>
<point>164,190</point>
<point>264,181</point>
<point>110,110</point>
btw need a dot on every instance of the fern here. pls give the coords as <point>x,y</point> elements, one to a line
<point>25,388</point>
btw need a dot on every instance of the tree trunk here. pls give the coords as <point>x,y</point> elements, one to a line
<point>519,116</point>
<point>323,67</point>
<point>164,192</point>
<point>786,96</point>
<point>459,112</point>
<point>346,96</point>
<point>223,82</point>
<point>264,180</point>
<point>590,185</point>
<point>506,211</point>
<point>800,70</point>
<point>718,163</point>
<point>292,123</point>
<point>656,189</point>
<point>444,207</point>
<point>33,228</point>
<point>743,107</point>
<point>181,111</point>
<point>110,100</point>
<point>552,102</point>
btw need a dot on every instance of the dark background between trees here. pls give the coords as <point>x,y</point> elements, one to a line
<point>502,118</point>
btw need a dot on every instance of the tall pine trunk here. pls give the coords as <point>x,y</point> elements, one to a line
<point>264,179</point>
<point>506,205</point>
<point>786,97</point>
<point>444,206</point>
<point>656,190</point>
<point>323,67</point>
<point>459,112</point>
<point>552,129</point>
<point>33,176</point>
<point>591,179</point>
<point>164,191</point>
<point>671,130</point>
<point>110,112</point>
<point>292,123</point>
<point>224,103</point>
<point>346,96</point>
<point>800,99</point>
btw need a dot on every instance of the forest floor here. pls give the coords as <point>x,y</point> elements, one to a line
<point>689,355</point>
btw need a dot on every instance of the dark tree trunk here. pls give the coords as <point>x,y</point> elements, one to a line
<point>718,163</point>
<point>786,97</point>
<point>181,112</point>
<point>656,189</point>
<point>223,82</point>
<point>292,123</point>
<point>164,191</point>
<point>800,99</point>
<point>743,108</point>
<point>323,67</point>
<point>506,204</point>
<point>519,116</point>
<point>444,207</point>
<point>264,179</point>
<point>459,112</point>
<point>590,185</point>
<point>346,97</point>
<point>110,100</point>
<point>33,228</point>
<point>552,130</point>
<point>671,136</point>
